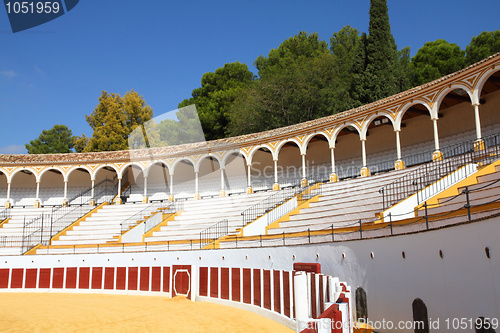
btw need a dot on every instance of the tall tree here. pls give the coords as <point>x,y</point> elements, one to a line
<point>216,95</point>
<point>382,65</point>
<point>482,46</point>
<point>114,119</point>
<point>436,59</point>
<point>58,139</point>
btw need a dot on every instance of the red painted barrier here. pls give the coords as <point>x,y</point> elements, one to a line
<point>121,278</point>
<point>109,278</point>
<point>144,284</point>
<point>96,277</point>
<point>156,279</point>
<point>203,286</point>
<point>266,284</point>
<point>235,284</point>
<point>256,288</point>
<point>44,278</point>
<point>84,280</point>
<point>133,274</point>
<point>307,267</point>
<point>58,278</point>
<point>277,291</point>
<point>247,285</point>
<point>166,279</point>
<point>31,278</point>
<point>71,273</point>
<point>224,286</point>
<point>214,282</point>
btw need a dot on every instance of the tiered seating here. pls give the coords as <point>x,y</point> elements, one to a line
<point>197,215</point>
<point>342,204</point>
<point>485,191</point>
<point>101,227</point>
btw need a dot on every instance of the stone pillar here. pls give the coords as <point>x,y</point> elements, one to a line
<point>249,175</point>
<point>145,198</point>
<point>8,203</point>
<point>196,193</point>
<point>399,164</point>
<point>364,170</point>
<point>333,176</point>
<point>479,143</point>
<point>222,183</point>
<point>303,181</point>
<point>171,195</point>
<point>65,200</point>
<point>276,185</point>
<point>118,199</point>
<point>37,200</point>
<point>437,155</point>
<point>92,192</point>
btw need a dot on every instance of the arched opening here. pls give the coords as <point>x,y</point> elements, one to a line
<point>184,180</point>
<point>262,170</point>
<point>23,189</point>
<point>133,184</point>
<point>51,188</point>
<point>3,189</point>
<point>289,165</point>
<point>348,153</point>
<point>209,177</point>
<point>361,304</point>
<point>158,182</point>
<point>456,122</point>
<point>420,317</point>
<point>490,104</point>
<point>105,184</point>
<point>318,159</point>
<point>79,187</point>
<point>381,151</point>
<point>417,135</point>
<point>236,173</point>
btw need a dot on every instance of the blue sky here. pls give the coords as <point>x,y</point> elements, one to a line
<point>54,73</point>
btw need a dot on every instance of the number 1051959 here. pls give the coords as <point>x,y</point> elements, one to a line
<point>25,7</point>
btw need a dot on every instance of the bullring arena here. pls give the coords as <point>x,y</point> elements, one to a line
<point>385,213</point>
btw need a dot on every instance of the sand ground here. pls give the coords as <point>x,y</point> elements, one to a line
<point>57,312</point>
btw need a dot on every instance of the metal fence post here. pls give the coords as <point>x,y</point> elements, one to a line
<point>390,221</point>
<point>309,234</point>
<point>466,191</point>
<point>283,238</point>
<point>360,230</point>
<point>426,216</point>
<point>333,237</point>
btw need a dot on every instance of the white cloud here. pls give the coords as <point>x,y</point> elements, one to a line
<point>13,149</point>
<point>8,74</point>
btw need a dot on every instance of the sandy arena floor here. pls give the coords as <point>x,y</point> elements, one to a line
<point>55,312</point>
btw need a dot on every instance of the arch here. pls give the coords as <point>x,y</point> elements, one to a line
<point>282,143</point>
<point>420,316</point>
<point>252,152</point>
<point>148,168</point>
<point>482,81</point>
<point>63,173</point>
<point>374,116</point>
<point>231,153</point>
<point>189,159</point>
<point>442,95</point>
<point>126,165</point>
<point>406,107</point>
<point>76,167</point>
<point>94,174</point>
<point>309,137</point>
<point>204,156</point>
<point>27,168</point>
<point>361,304</point>
<point>346,125</point>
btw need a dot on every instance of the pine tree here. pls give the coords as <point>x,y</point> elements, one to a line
<point>382,57</point>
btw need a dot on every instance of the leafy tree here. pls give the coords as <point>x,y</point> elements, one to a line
<point>436,59</point>
<point>304,91</point>
<point>216,95</point>
<point>114,119</point>
<point>58,139</point>
<point>382,65</point>
<point>294,50</point>
<point>80,142</point>
<point>482,46</point>
<point>186,129</point>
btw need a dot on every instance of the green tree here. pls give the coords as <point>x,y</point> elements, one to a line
<point>114,119</point>
<point>382,62</point>
<point>216,95</point>
<point>482,46</point>
<point>58,139</point>
<point>436,59</point>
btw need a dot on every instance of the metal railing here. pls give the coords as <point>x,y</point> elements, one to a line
<point>456,156</point>
<point>268,204</point>
<point>41,229</point>
<point>148,211</point>
<point>284,208</point>
<point>5,214</point>
<point>214,232</point>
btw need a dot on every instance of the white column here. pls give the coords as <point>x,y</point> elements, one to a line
<point>145,186</point>
<point>92,189</point>
<point>171,184</point>
<point>196,193</point>
<point>332,158</point>
<point>222,184</point>
<point>478,121</point>
<point>8,191</point>
<point>303,181</point>
<point>66,189</point>
<point>276,185</point>
<point>119,187</point>
<point>363,151</point>
<point>398,145</point>
<point>37,191</point>
<point>249,174</point>
<point>302,303</point>
<point>436,136</point>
